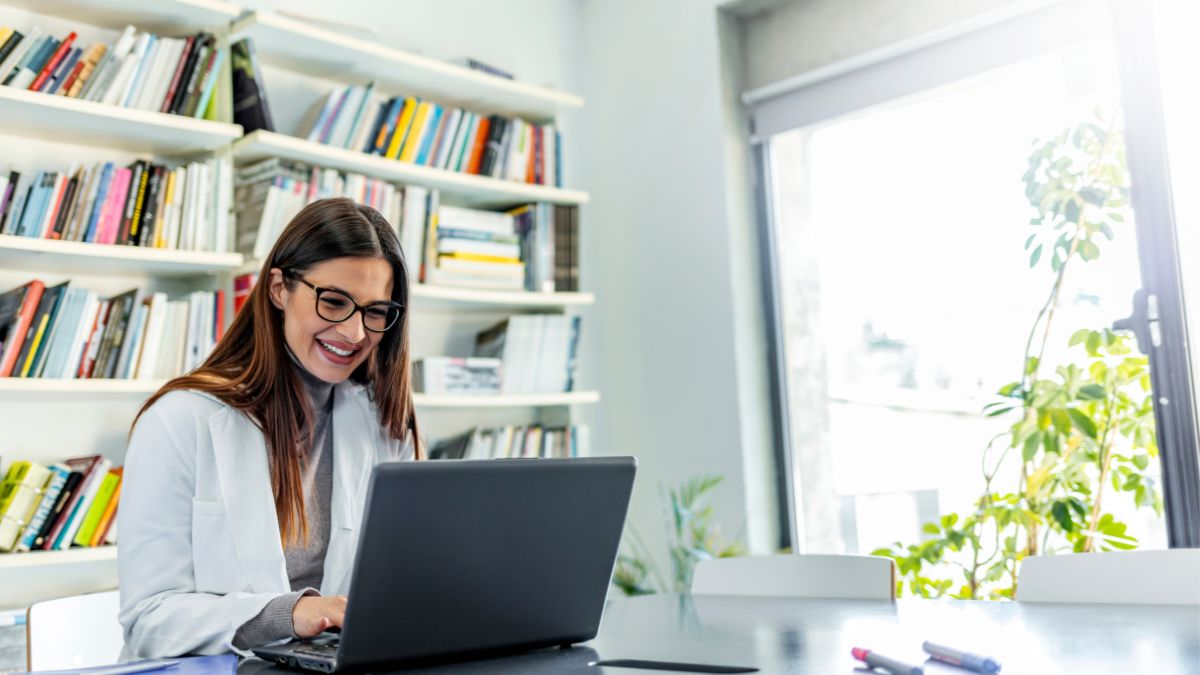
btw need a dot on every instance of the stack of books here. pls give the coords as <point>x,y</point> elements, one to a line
<point>514,441</point>
<point>143,204</point>
<point>425,133</point>
<point>549,246</point>
<point>73,333</point>
<point>72,503</point>
<point>454,375</point>
<point>478,249</point>
<point>138,70</point>
<point>538,352</point>
<point>270,193</point>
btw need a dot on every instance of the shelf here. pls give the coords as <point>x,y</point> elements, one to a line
<point>300,46</point>
<point>471,190</point>
<point>42,575</point>
<point>506,401</point>
<point>69,120</point>
<point>12,561</point>
<point>42,386</point>
<point>160,16</point>
<point>39,385</point>
<point>450,298</point>
<point>70,257</point>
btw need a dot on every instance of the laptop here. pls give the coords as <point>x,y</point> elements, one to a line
<point>466,559</point>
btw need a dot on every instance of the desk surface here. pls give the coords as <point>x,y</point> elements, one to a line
<point>787,635</point>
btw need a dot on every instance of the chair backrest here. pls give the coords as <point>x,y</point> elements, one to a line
<point>862,577</point>
<point>1170,577</point>
<point>76,632</point>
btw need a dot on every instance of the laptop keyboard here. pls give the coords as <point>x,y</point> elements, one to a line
<point>327,649</point>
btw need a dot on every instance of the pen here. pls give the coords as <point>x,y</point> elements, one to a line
<point>874,660</point>
<point>980,664</point>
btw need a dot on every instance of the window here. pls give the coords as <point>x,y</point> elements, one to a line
<point>909,287</point>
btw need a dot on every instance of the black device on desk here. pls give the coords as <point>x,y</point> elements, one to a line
<point>463,559</point>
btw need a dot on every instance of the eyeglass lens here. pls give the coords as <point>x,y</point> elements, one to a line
<point>336,306</point>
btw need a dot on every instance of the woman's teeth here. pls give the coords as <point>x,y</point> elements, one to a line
<point>330,348</point>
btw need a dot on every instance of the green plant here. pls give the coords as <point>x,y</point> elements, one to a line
<point>1075,434</point>
<point>693,537</point>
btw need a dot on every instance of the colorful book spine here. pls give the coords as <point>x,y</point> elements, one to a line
<point>58,479</point>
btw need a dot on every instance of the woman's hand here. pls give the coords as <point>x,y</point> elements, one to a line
<point>314,614</point>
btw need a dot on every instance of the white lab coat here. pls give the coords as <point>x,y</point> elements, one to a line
<point>200,550</point>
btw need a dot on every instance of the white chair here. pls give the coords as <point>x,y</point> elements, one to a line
<point>859,577</point>
<point>76,632</point>
<point>1170,577</point>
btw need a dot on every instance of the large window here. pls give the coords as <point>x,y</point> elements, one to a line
<point>950,261</point>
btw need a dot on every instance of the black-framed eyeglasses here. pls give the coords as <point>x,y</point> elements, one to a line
<point>335,306</point>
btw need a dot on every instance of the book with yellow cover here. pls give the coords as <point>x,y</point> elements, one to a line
<point>20,494</point>
<point>110,512</point>
<point>108,488</point>
<point>413,142</point>
<point>479,257</point>
<point>406,116</point>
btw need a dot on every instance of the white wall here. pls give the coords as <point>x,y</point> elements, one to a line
<point>665,250</point>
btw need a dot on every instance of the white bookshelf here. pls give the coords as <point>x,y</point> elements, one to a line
<point>50,388</point>
<point>297,45</point>
<point>450,298</point>
<point>179,16</point>
<point>469,189</point>
<point>40,575</point>
<point>69,120</point>
<point>101,409</point>
<point>73,257</point>
<point>506,401</point>
<point>16,561</point>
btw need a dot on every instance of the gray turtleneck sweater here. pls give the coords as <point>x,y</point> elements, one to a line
<point>305,563</point>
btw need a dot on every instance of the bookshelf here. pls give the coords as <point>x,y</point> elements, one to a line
<point>156,15</point>
<point>39,575</point>
<point>299,46</point>
<point>470,190</point>
<point>68,120</point>
<point>73,257</point>
<point>100,410</point>
<point>471,299</point>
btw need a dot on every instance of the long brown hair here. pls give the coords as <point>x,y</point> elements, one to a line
<point>250,369</point>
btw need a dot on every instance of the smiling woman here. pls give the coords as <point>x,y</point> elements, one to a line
<point>245,479</point>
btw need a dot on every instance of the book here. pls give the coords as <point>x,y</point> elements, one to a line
<point>91,519</point>
<point>455,375</point>
<point>85,495</point>
<point>54,486</point>
<point>20,494</point>
<point>18,307</point>
<point>108,517</point>
<point>250,108</point>
<point>70,487</point>
<point>38,329</point>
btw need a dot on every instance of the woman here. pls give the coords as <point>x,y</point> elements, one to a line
<point>245,480</point>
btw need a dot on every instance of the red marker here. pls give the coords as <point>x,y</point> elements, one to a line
<point>875,661</point>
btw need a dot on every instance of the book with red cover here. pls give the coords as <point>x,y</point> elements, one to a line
<point>53,63</point>
<point>85,466</point>
<point>220,313</point>
<point>17,308</point>
<point>42,319</point>
<point>179,69</point>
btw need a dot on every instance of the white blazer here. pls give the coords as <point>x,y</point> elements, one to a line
<point>200,550</point>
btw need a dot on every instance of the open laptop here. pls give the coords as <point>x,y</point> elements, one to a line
<point>465,559</point>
